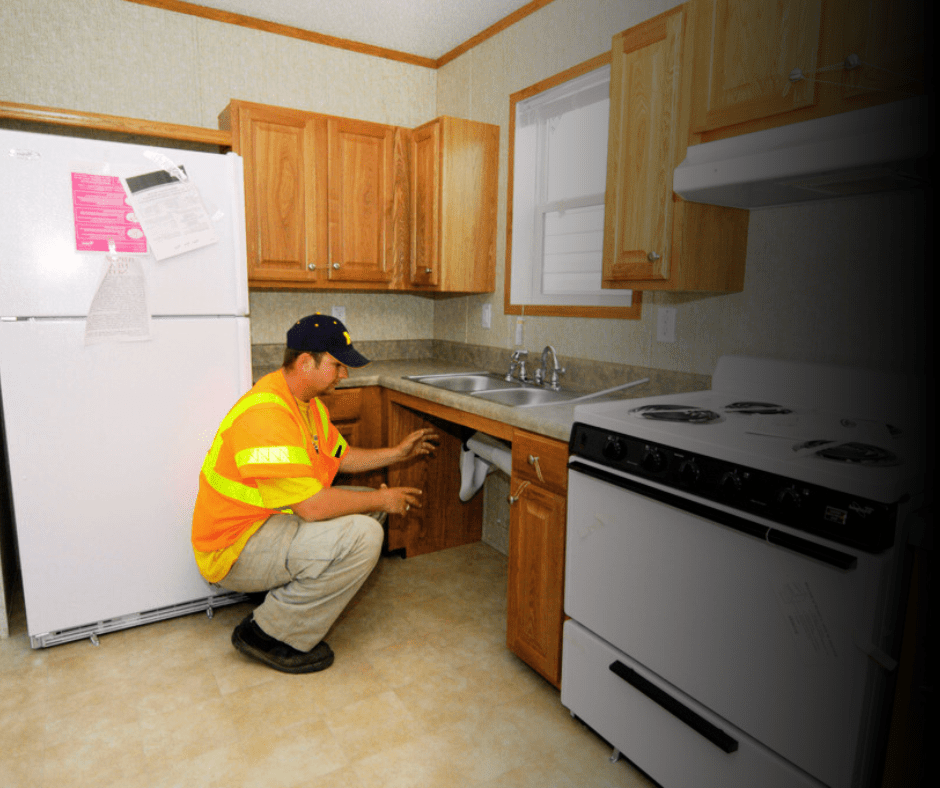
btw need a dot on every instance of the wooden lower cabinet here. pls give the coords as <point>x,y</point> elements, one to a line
<point>443,521</point>
<point>357,414</point>
<point>536,580</point>
<point>537,515</point>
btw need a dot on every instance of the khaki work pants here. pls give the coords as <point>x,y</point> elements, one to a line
<point>311,571</point>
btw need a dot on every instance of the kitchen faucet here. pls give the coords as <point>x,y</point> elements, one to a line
<point>542,372</point>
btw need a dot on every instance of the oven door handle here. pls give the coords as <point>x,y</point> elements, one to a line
<point>679,710</point>
<point>774,536</point>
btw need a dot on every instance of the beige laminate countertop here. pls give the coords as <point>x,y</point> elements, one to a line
<point>553,421</point>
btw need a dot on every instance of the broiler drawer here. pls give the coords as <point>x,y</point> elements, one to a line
<point>671,737</point>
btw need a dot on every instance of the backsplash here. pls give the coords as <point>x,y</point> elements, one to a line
<point>584,374</point>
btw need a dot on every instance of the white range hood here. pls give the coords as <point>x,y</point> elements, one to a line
<point>869,150</point>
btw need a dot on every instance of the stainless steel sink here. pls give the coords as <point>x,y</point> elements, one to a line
<point>493,387</point>
<point>467,382</point>
<point>523,397</point>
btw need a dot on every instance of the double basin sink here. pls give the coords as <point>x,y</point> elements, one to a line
<point>492,387</point>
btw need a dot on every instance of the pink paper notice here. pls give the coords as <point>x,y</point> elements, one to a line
<point>102,215</point>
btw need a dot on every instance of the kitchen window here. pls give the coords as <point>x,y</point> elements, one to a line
<point>557,179</point>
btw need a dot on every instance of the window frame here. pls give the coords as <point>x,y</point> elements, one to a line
<point>632,312</point>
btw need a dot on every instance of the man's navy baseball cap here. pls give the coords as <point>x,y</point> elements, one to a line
<point>318,333</point>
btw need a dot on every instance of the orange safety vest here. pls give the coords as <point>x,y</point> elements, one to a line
<point>263,437</point>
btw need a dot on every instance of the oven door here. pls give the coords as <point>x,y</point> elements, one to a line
<point>770,637</point>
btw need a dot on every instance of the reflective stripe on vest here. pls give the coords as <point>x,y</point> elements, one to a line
<point>228,487</point>
<point>273,455</point>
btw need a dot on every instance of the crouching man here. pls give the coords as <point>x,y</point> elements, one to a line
<point>267,517</point>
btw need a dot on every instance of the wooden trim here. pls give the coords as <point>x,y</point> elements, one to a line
<point>631,312</point>
<point>115,123</point>
<point>227,17</point>
<point>215,15</point>
<point>498,429</point>
<point>492,30</point>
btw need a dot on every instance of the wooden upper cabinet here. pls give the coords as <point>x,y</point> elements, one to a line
<point>280,191</point>
<point>425,265</point>
<point>852,53</point>
<point>454,167</point>
<point>643,148</point>
<point>887,40</point>
<point>360,173</point>
<point>751,50</point>
<point>348,204</point>
<point>654,240</point>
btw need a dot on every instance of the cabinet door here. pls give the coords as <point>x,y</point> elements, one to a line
<point>535,594</point>
<point>277,146</point>
<point>360,175</point>
<point>887,38</point>
<point>746,51</point>
<point>643,149</point>
<point>443,520</point>
<point>426,204</point>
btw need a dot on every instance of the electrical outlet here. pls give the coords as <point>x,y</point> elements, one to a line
<point>666,324</point>
<point>486,317</point>
<point>339,312</point>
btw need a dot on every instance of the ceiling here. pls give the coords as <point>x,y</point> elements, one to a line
<point>424,28</point>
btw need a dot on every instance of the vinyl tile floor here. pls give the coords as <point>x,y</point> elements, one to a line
<point>423,694</point>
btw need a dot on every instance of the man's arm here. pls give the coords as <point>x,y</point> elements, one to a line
<point>333,502</point>
<point>418,443</point>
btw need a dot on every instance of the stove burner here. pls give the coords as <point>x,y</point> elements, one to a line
<point>860,454</point>
<point>684,413</point>
<point>852,453</point>
<point>760,408</point>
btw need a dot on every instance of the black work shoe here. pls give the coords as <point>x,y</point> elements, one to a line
<point>254,642</point>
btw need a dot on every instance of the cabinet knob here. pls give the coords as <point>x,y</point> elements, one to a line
<point>653,257</point>
<point>311,266</point>
<point>427,270</point>
<point>335,266</point>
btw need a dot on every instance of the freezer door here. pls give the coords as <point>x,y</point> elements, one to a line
<point>42,273</point>
<point>105,444</point>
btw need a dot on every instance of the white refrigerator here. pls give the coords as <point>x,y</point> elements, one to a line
<point>112,386</point>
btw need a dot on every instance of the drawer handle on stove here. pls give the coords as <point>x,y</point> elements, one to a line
<point>678,710</point>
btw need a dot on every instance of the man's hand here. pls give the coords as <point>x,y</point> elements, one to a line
<point>417,444</point>
<point>398,500</point>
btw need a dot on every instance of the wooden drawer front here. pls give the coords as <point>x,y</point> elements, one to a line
<point>343,405</point>
<point>531,453</point>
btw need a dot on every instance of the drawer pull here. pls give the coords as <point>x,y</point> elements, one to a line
<point>533,460</point>
<point>513,498</point>
<point>678,710</point>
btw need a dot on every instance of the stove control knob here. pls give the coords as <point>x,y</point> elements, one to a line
<point>731,484</point>
<point>615,449</point>
<point>653,460</point>
<point>688,473</point>
<point>789,500</point>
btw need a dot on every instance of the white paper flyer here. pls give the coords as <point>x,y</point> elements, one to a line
<point>119,310</point>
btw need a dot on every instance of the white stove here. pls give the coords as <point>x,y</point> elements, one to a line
<point>733,568</point>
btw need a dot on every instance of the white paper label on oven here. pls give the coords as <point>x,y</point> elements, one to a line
<point>807,623</point>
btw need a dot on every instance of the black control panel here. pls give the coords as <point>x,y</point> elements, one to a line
<point>841,517</point>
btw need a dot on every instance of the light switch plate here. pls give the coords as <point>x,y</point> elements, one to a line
<point>486,317</point>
